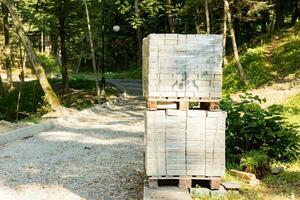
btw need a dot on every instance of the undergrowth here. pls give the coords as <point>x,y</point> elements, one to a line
<point>32,105</point>
<point>266,65</point>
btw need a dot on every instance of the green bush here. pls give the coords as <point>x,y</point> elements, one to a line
<point>250,127</point>
<point>256,162</point>
<point>49,63</point>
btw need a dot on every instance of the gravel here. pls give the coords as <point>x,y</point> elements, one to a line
<point>93,154</point>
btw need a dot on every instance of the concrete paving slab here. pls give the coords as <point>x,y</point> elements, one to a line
<point>166,193</point>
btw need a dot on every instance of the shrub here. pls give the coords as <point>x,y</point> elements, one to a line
<point>256,162</point>
<point>250,127</point>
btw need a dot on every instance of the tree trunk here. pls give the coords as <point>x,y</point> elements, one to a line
<point>62,35</point>
<point>207,17</point>
<point>279,14</point>
<point>225,33</point>
<point>197,23</point>
<point>138,35</point>
<point>171,19</point>
<point>92,52</point>
<point>80,57</point>
<point>7,49</point>
<point>50,96</point>
<point>1,87</point>
<point>186,25</point>
<point>21,65</point>
<point>234,45</point>
<point>296,11</point>
<point>42,41</point>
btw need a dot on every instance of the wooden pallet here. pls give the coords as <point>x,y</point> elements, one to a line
<point>182,103</point>
<point>185,181</point>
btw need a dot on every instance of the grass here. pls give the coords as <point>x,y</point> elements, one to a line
<point>274,62</point>
<point>292,110</point>
<point>285,186</point>
<point>133,73</point>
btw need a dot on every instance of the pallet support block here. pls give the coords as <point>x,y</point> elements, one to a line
<point>184,105</point>
<point>185,183</point>
<point>153,183</point>
<point>215,183</point>
<point>152,105</point>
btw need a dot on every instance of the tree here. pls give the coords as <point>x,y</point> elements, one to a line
<point>62,36</point>
<point>279,14</point>
<point>234,45</point>
<point>1,87</point>
<point>171,19</point>
<point>225,33</point>
<point>207,17</point>
<point>50,95</point>
<point>7,49</point>
<point>138,34</point>
<point>92,50</point>
<point>296,11</point>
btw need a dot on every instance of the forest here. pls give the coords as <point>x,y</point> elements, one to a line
<point>59,54</point>
<point>67,37</point>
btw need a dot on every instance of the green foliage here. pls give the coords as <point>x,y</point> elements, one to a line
<point>256,162</point>
<point>49,63</point>
<point>292,110</point>
<point>256,67</point>
<point>265,65</point>
<point>31,100</point>
<point>286,59</point>
<point>232,81</point>
<point>134,73</point>
<point>259,129</point>
<point>32,104</point>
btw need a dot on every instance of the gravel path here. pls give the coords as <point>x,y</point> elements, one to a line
<point>94,154</point>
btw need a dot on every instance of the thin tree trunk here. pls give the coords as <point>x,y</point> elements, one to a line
<point>21,77</point>
<point>186,25</point>
<point>62,35</point>
<point>197,23</point>
<point>42,41</point>
<point>50,96</point>
<point>7,49</point>
<point>1,87</point>
<point>138,35</point>
<point>296,11</point>
<point>21,65</point>
<point>225,62</point>
<point>92,52</point>
<point>207,17</point>
<point>171,19</point>
<point>80,58</point>
<point>234,45</point>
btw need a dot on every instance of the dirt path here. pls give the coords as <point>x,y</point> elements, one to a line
<point>274,94</point>
<point>94,154</point>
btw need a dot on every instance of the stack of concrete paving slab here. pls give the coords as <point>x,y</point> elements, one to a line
<point>185,143</point>
<point>177,65</point>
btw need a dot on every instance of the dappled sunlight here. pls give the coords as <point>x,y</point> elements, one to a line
<point>81,138</point>
<point>34,191</point>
